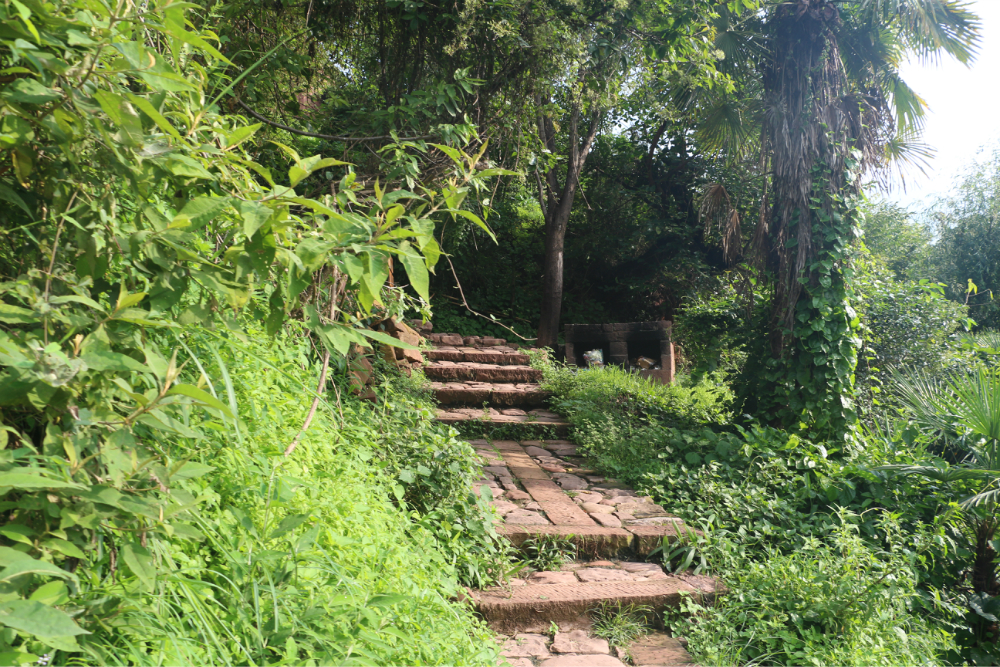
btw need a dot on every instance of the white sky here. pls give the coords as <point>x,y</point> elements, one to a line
<point>964,114</point>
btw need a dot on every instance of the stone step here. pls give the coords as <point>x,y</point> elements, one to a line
<point>534,607</point>
<point>544,488</point>
<point>598,541</point>
<point>466,371</point>
<point>502,356</point>
<point>514,417</point>
<point>497,395</point>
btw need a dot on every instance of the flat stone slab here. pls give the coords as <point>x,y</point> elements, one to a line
<point>526,518</point>
<point>577,641</point>
<point>582,661</point>
<point>531,450</point>
<point>563,512</point>
<point>535,606</point>
<point>659,650</point>
<point>596,574</point>
<point>607,520</point>
<point>570,482</point>
<point>503,507</point>
<point>597,508</point>
<point>525,646</point>
<point>544,490</point>
<point>641,567</point>
<point>552,578</point>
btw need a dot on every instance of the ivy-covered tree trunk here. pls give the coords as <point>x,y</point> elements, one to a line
<point>818,136</point>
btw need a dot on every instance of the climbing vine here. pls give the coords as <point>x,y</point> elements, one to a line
<point>815,381</point>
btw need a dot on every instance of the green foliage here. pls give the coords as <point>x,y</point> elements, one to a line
<point>897,241</point>
<point>544,553</point>
<point>966,226</point>
<point>836,600</point>
<point>814,380</point>
<point>711,332</point>
<point>593,394</point>
<point>310,557</point>
<point>134,214</point>
<point>621,624</point>
<point>905,323</point>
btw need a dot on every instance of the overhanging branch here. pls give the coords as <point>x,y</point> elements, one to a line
<point>331,137</point>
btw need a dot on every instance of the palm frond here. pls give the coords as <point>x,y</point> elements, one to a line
<point>926,398</point>
<point>931,27</point>
<point>943,473</point>
<point>904,152</point>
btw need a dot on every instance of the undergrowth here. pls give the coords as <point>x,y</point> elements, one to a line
<point>341,553</point>
<point>825,561</point>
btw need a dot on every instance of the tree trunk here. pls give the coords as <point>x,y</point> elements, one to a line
<point>557,203</point>
<point>552,282</point>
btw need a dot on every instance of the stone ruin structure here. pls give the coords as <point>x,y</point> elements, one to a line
<point>624,344</point>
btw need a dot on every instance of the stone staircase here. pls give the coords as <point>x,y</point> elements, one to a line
<point>543,488</point>
<point>485,379</point>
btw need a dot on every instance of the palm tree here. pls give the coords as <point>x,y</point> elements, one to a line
<point>962,408</point>
<point>829,106</point>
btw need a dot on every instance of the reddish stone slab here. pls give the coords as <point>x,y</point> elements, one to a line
<point>565,513</point>
<point>649,538</point>
<point>525,608</point>
<point>445,355</point>
<point>660,650</point>
<point>507,446</point>
<point>544,490</point>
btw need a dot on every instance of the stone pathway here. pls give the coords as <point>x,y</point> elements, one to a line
<point>578,649</point>
<point>545,488</point>
<point>485,379</point>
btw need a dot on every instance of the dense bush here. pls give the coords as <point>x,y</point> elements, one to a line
<point>592,394</point>
<point>795,529</point>
<point>905,324</point>
<point>836,600</point>
<point>332,555</point>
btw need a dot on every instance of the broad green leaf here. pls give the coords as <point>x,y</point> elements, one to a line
<point>469,215</point>
<point>416,270</point>
<point>22,480</point>
<point>97,354</point>
<point>182,165</point>
<point>154,115</point>
<point>63,547</point>
<point>202,396</point>
<point>192,470</point>
<point>355,268</point>
<point>240,134</point>
<point>254,216</point>
<point>29,565</point>
<point>28,91</point>
<point>338,337</point>
<point>17,315</point>
<point>288,524</point>
<point>199,212</point>
<point>7,194</point>
<point>18,533</point>
<point>140,561</point>
<point>38,619</point>
<point>386,338</point>
<point>15,131</point>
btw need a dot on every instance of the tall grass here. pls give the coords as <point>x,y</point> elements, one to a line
<point>317,558</point>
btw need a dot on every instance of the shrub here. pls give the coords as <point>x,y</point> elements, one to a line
<point>837,600</point>
<point>313,557</point>
<point>586,395</point>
